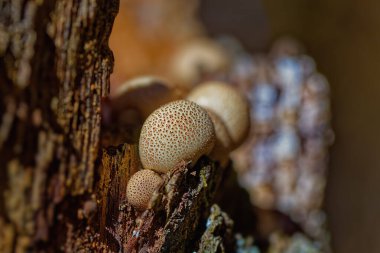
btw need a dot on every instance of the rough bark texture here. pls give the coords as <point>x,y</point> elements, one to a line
<point>54,69</point>
<point>60,191</point>
<point>179,208</point>
<point>218,233</point>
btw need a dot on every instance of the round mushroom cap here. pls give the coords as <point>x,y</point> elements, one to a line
<point>197,58</point>
<point>144,94</point>
<point>178,131</point>
<point>223,141</point>
<point>225,101</point>
<point>141,186</point>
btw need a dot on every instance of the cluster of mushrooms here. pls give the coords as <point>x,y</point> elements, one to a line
<point>211,120</point>
<point>282,163</point>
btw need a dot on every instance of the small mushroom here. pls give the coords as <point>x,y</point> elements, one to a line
<point>143,94</point>
<point>178,131</point>
<point>197,58</point>
<point>223,141</point>
<point>141,186</point>
<point>225,101</point>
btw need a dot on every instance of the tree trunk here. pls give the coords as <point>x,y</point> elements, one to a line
<point>54,70</point>
<point>60,191</point>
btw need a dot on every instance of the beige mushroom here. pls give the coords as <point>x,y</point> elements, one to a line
<point>178,131</point>
<point>226,102</point>
<point>143,94</point>
<point>141,186</point>
<point>223,141</point>
<point>195,59</point>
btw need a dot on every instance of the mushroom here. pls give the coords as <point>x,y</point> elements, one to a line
<point>178,131</point>
<point>195,59</point>
<point>141,186</point>
<point>225,101</point>
<point>142,94</point>
<point>223,141</point>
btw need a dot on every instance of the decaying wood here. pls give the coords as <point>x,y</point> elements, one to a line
<point>218,234</point>
<point>54,69</point>
<point>60,191</point>
<point>179,208</point>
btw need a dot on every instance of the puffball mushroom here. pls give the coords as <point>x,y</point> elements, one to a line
<point>197,58</point>
<point>141,186</point>
<point>144,94</point>
<point>226,102</point>
<point>178,131</point>
<point>223,141</point>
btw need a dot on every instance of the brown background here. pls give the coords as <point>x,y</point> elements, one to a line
<point>344,39</point>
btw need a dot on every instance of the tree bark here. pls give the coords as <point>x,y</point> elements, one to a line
<point>178,219</point>
<point>54,70</point>
<point>60,191</point>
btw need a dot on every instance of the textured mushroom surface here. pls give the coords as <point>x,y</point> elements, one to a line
<point>178,131</point>
<point>141,187</point>
<point>227,103</point>
<point>223,141</point>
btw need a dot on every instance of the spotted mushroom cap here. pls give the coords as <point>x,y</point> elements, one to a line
<point>226,102</point>
<point>178,131</point>
<point>141,187</point>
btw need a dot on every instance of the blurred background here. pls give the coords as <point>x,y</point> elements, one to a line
<point>343,37</point>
